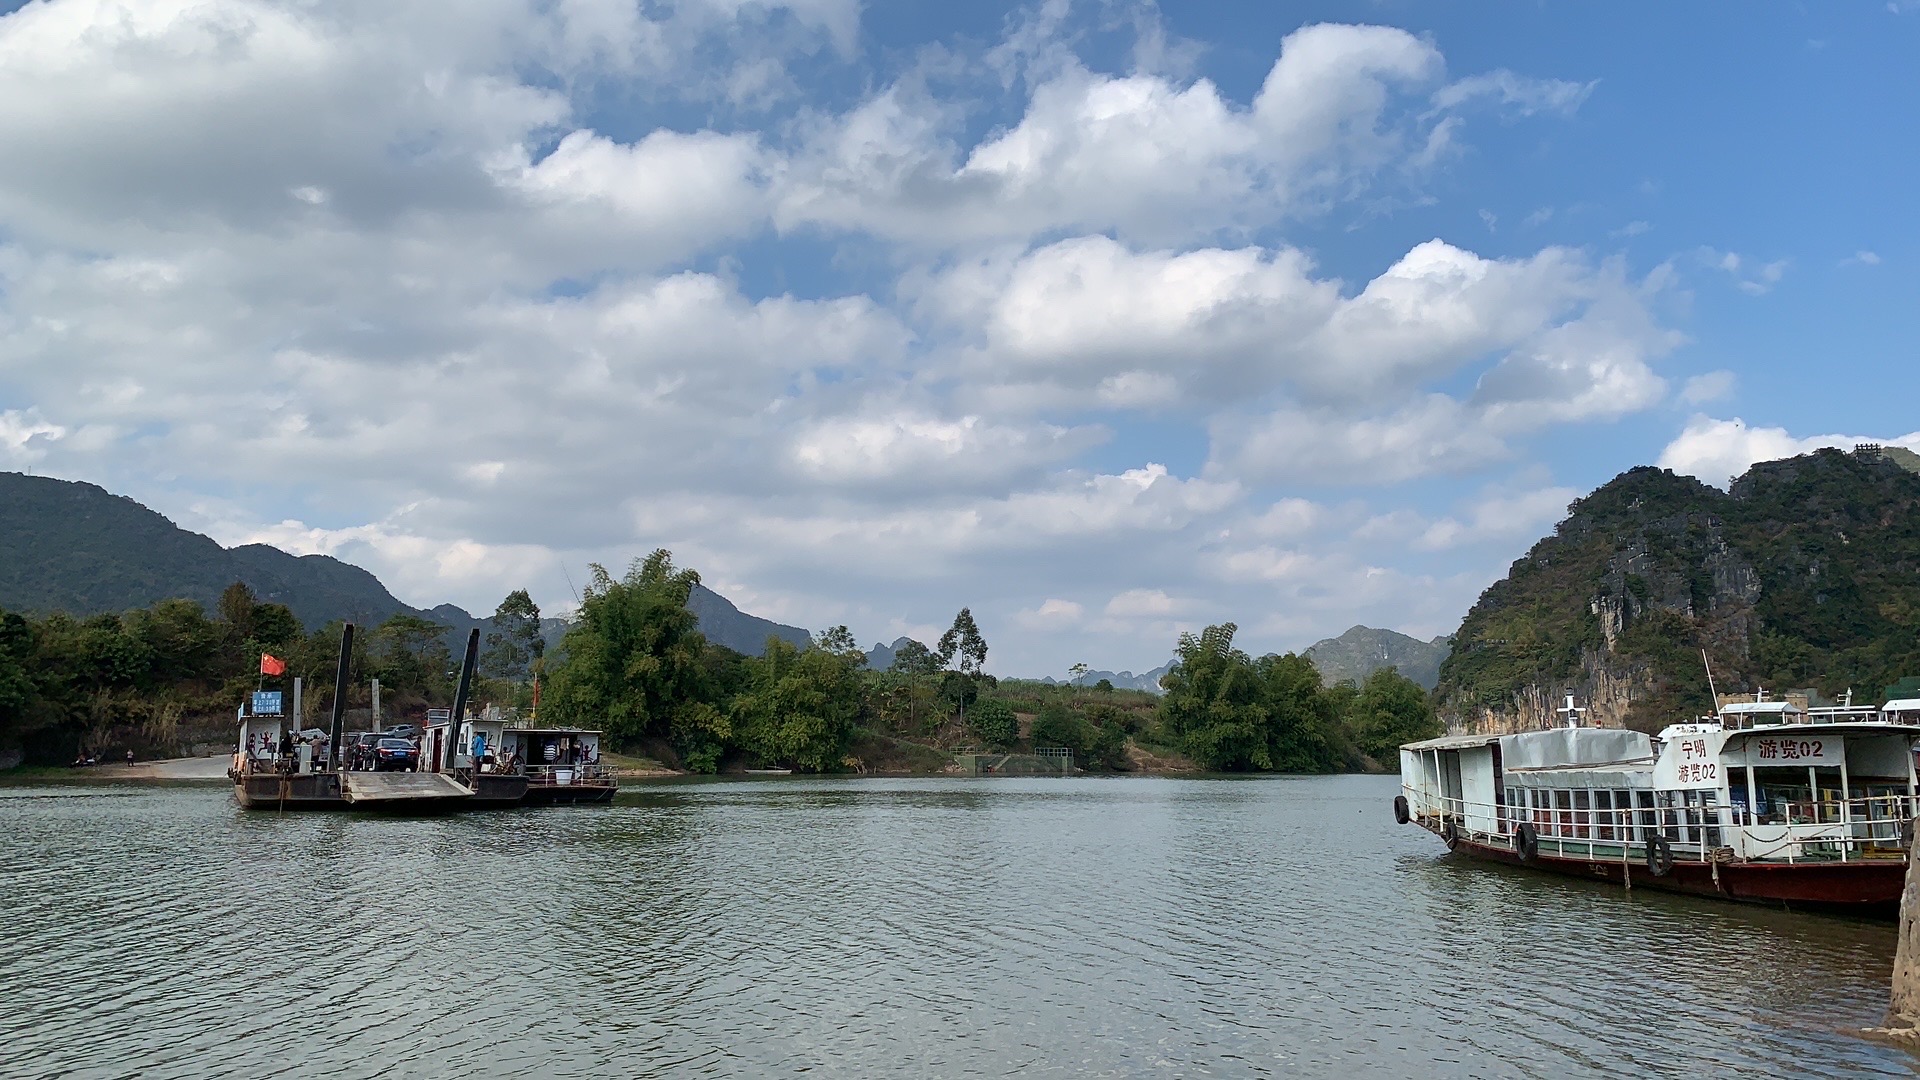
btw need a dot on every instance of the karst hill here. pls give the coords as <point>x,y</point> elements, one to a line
<point>1806,574</point>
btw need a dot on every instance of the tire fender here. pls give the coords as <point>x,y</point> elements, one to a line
<point>1401,813</point>
<point>1659,856</point>
<point>1450,833</point>
<point>1526,842</point>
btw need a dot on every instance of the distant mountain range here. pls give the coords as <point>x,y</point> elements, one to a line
<point>1362,650</point>
<point>75,547</point>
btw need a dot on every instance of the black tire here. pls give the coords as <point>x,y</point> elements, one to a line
<point>1401,813</point>
<point>1526,842</point>
<point>1659,856</point>
<point>1450,834</point>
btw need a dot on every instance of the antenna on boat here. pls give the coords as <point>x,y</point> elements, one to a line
<point>338,759</point>
<point>459,715</point>
<point>1708,664</point>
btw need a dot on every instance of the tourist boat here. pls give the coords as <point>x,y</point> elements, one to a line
<point>507,764</point>
<point>1764,801</point>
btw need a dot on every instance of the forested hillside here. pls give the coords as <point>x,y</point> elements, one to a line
<point>1806,574</point>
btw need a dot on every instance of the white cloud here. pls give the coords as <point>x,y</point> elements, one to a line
<point>1751,276</point>
<point>1141,154</point>
<point>24,434</point>
<point>1711,386</point>
<point>1717,451</point>
<point>1517,93</point>
<point>1862,258</point>
<point>445,293</point>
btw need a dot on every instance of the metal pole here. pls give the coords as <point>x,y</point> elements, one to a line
<point>460,696</point>
<point>376,706</point>
<point>299,717</point>
<point>334,757</point>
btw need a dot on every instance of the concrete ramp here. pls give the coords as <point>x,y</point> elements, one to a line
<point>405,790</point>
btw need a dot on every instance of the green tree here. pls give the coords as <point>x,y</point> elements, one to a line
<point>1079,672</point>
<point>915,662</point>
<point>1215,704</point>
<point>635,660</point>
<point>994,723</point>
<point>800,707</point>
<point>514,642</point>
<point>1057,725</point>
<point>1390,710</point>
<point>963,650</point>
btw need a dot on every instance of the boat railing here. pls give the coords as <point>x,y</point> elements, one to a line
<point>1875,828</point>
<point>574,774</point>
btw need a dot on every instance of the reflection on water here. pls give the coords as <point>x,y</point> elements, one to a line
<point>904,928</point>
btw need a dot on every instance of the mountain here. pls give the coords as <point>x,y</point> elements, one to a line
<point>1121,680</point>
<point>75,547</point>
<point>1363,650</point>
<point>1804,575</point>
<point>67,546</point>
<point>727,625</point>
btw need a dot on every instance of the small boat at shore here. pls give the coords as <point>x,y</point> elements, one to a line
<point>509,764</point>
<point>1764,802</point>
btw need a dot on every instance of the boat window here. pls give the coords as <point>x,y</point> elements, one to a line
<point>1582,814</point>
<point>1603,815</point>
<point>1563,821</point>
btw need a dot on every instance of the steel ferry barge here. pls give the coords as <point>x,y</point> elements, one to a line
<point>1763,802</point>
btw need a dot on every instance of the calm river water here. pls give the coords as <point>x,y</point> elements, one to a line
<point>1124,927</point>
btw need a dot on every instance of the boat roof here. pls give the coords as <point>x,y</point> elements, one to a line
<point>1452,742</point>
<point>1744,708</point>
<point>1850,727</point>
<point>552,731</point>
<point>1905,704</point>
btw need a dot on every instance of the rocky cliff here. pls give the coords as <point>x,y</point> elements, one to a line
<point>1805,574</point>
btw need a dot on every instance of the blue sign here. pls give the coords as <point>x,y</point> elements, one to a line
<point>266,703</point>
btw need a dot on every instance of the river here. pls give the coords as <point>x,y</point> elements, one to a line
<point>925,927</point>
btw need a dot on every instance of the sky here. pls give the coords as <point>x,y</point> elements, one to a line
<point>1109,321</point>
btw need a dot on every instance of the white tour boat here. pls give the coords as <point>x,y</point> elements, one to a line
<point>1764,802</point>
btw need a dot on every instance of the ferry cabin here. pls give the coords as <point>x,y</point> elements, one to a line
<point>553,765</point>
<point>1721,806</point>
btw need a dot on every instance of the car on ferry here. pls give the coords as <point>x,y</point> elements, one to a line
<point>393,755</point>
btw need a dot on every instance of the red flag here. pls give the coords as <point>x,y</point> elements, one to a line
<point>271,665</point>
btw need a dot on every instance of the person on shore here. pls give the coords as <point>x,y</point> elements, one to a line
<point>129,757</point>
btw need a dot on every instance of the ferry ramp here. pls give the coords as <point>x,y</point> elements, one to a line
<point>421,790</point>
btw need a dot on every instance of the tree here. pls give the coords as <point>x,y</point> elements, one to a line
<point>994,723</point>
<point>515,641</point>
<point>1392,709</point>
<point>1057,725</point>
<point>962,649</point>
<point>636,661</point>
<point>800,708</point>
<point>1079,672</point>
<point>1215,702</point>
<point>915,661</point>
<point>236,610</point>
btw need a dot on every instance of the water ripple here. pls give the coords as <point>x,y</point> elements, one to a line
<point>1088,927</point>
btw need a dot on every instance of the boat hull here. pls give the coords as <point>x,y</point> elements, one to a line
<point>300,791</point>
<point>568,794</point>
<point>1866,887</point>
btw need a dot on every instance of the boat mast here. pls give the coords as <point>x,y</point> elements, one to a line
<point>338,759</point>
<point>460,696</point>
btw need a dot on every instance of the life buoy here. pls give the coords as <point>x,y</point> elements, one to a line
<point>1526,842</point>
<point>1401,813</point>
<point>1450,834</point>
<point>1659,856</point>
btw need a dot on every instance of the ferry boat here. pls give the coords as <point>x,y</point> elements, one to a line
<point>507,764</point>
<point>1763,801</point>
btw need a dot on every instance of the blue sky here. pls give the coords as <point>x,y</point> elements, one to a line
<point>1106,319</point>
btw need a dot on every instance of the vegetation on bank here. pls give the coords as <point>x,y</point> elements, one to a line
<point>635,664</point>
